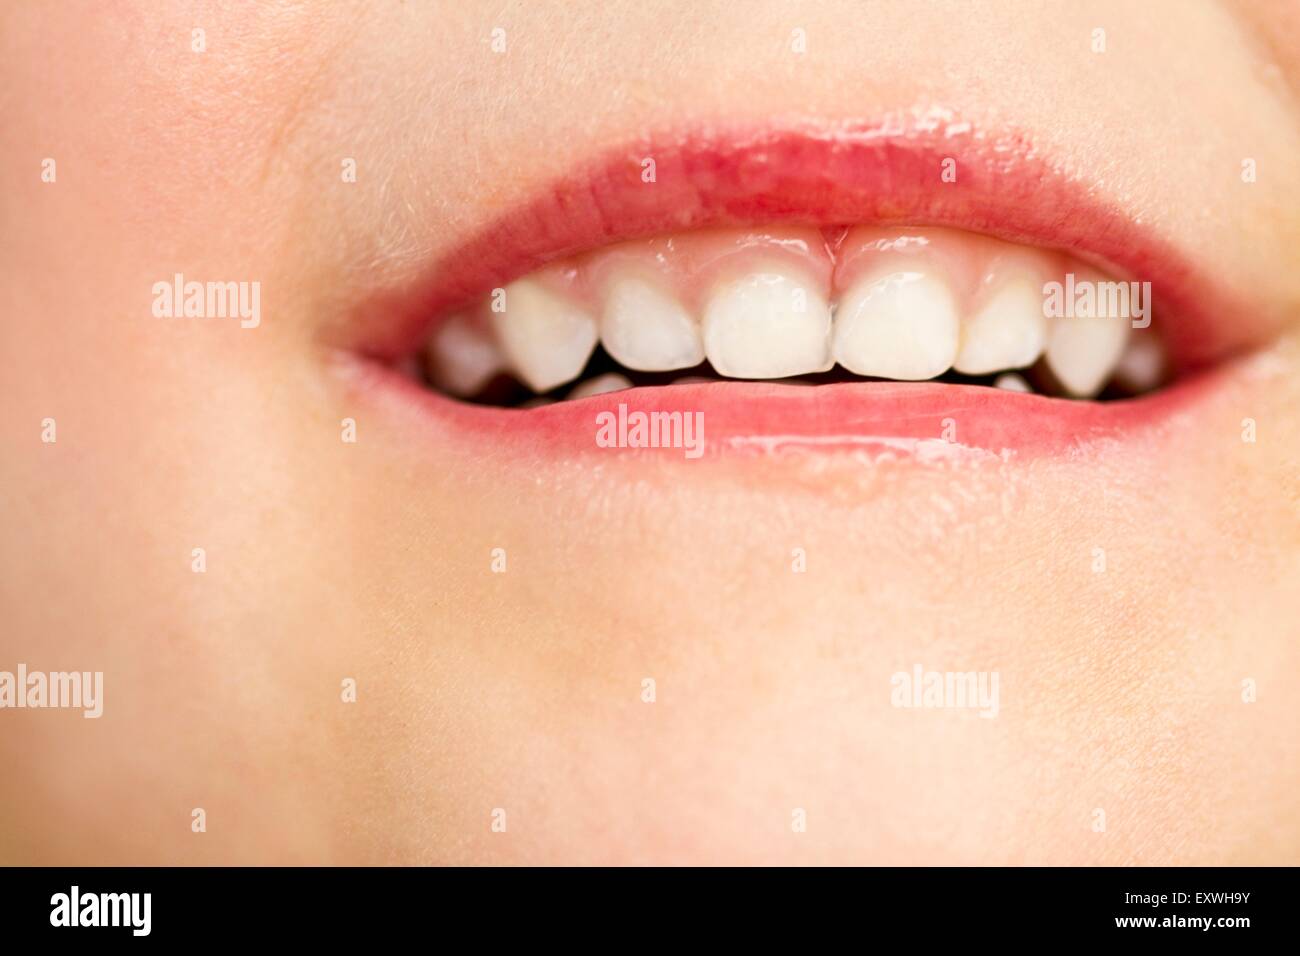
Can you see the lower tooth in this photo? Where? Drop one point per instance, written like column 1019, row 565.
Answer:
column 900, row 325
column 769, row 324
column 1011, row 382
column 600, row 385
column 547, row 338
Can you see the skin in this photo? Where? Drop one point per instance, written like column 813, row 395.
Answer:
column 1121, row 690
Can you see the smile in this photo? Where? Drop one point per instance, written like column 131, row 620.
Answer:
column 863, row 285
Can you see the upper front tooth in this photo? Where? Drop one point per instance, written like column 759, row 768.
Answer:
column 1083, row 350
column 771, row 323
column 463, row 356
column 646, row 329
column 897, row 324
column 546, row 336
column 1008, row 330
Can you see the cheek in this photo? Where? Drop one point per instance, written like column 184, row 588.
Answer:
column 172, row 122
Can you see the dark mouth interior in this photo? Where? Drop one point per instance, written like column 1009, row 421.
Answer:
column 504, row 391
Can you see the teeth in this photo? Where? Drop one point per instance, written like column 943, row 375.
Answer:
column 601, row 384
column 1008, row 330
column 463, row 356
column 1011, row 382
column 769, row 324
column 899, row 325
column 901, row 303
column 547, row 338
column 1083, row 351
column 1142, row 366
column 646, row 329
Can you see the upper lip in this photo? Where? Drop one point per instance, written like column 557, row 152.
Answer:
column 883, row 171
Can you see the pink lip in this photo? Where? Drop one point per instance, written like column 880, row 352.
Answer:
column 886, row 172
column 921, row 420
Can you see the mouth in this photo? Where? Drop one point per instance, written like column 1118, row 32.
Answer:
column 915, row 284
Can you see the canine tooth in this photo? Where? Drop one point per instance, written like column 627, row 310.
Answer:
column 898, row 324
column 1083, row 351
column 770, row 323
column 463, row 356
column 546, row 337
column 1011, row 382
column 599, row 385
column 645, row 328
column 1008, row 329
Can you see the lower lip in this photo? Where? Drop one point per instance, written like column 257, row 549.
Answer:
column 926, row 421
